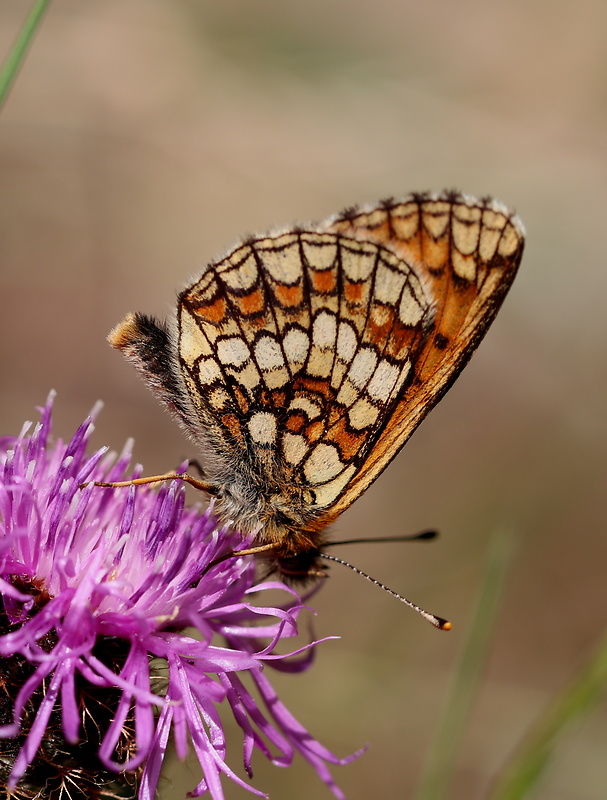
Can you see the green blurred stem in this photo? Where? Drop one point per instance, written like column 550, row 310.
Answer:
column 440, row 764
column 17, row 54
column 528, row 764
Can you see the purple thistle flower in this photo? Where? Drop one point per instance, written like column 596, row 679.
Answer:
column 98, row 586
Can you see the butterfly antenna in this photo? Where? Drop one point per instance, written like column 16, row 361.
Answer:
column 438, row 622
column 410, row 537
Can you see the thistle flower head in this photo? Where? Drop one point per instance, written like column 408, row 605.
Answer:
column 99, row 587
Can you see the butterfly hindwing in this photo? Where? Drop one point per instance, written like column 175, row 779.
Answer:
column 294, row 344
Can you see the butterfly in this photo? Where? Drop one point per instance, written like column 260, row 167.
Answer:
column 302, row 360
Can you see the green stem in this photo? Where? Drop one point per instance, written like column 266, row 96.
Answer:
column 17, row 54
column 533, row 756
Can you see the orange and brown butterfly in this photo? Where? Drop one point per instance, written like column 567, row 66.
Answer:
column 302, row 360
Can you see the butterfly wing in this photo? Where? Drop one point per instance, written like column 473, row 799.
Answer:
column 467, row 251
column 297, row 344
column 316, row 352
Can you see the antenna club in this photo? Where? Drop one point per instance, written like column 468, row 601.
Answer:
column 438, row 622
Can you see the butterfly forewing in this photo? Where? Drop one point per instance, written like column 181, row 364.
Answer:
column 468, row 252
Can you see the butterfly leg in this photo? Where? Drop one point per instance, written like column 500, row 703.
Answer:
column 203, row 486
column 250, row 551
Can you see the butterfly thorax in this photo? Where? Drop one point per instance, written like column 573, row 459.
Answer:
column 278, row 515
column 267, row 504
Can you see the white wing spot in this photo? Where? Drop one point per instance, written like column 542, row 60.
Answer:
column 294, row 447
column 325, row 495
column 362, row 414
column 383, row 380
column 407, row 224
column 465, row 236
column 323, row 464
column 324, row 330
column 268, row 354
column 410, row 311
column 209, row 371
column 346, row 342
column 248, row 376
column 464, row 266
column 362, row 367
column 324, row 333
column 348, row 393
column 219, row 398
column 404, row 374
column 233, row 351
column 511, row 239
column 296, row 345
column 488, row 243
column 262, row 427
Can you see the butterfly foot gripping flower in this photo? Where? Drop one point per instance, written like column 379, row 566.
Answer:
column 97, row 670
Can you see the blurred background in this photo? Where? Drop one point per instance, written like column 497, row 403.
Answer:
column 144, row 137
